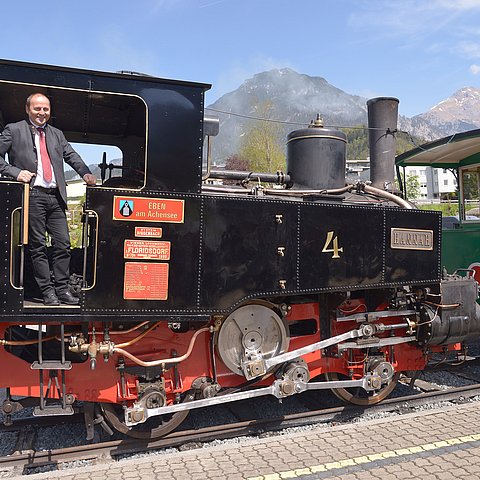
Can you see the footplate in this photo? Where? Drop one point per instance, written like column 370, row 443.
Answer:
column 53, row 410
column 51, row 365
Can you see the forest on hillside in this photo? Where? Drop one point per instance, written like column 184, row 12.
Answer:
column 262, row 148
column 357, row 146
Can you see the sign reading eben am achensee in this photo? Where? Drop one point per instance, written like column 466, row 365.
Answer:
column 147, row 209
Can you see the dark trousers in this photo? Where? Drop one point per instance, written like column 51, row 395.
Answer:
column 47, row 214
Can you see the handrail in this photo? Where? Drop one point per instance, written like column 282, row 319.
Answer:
column 88, row 214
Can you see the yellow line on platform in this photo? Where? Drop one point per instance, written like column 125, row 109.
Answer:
column 351, row 462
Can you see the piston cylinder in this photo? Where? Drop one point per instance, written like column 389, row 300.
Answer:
column 316, row 157
column 456, row 319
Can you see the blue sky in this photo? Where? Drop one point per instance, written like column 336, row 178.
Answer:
column 420, row 51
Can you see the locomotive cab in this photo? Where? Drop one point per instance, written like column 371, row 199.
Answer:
column 141, row 116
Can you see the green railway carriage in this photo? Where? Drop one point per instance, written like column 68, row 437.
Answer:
column 459, row 153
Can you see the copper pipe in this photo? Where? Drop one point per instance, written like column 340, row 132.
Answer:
column 439, row 305
column 13, row 343
column 155, row 363
column 121, row 332
column 112, row 332
column 294, row 192
column 137, row 338
column 118, row 332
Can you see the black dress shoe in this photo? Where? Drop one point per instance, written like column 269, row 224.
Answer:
column 51, row 300
column 68, row 298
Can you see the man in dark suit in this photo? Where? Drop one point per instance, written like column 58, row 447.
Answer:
column 36, row 152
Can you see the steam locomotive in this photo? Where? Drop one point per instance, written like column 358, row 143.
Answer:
column 194, row 293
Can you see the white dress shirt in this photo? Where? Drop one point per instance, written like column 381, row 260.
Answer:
column 39, row 180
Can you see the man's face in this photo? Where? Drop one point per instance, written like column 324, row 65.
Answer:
column 39, row 110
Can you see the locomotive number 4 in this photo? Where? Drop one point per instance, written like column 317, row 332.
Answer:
column 332, row 241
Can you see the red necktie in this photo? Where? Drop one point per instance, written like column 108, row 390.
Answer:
column 46, row 164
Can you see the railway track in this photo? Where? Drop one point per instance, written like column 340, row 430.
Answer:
column 26, row 460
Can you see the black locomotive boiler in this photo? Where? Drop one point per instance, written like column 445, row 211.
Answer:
column 194, row 294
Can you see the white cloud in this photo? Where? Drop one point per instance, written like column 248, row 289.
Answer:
column 409, row 17
column 117, row 47
column 457, row 4
column 158, row 5
column 211, row 3
column 436, row 27
column 470, row 49
column 165, row 3
column 475, row 69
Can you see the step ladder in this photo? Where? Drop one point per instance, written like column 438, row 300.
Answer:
column 62, row 404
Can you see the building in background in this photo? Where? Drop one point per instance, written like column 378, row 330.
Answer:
column 435, row 183
column 76, row 190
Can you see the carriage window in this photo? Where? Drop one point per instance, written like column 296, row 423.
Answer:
column 471, row 194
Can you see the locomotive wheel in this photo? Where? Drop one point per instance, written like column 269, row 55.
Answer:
column 256, row 328
column 153, row 428
column 357, row 395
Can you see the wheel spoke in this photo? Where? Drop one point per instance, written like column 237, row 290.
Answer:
column 153, row 428
column 358, row 396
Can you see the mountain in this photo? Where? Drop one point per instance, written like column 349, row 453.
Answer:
column 94, row 168
column 283, row 94
column 458, row 113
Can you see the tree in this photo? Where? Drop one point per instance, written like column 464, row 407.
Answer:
column 357, row 143
column 471, row 185
column 261, row 146
column 358, row 147
column 75, row 225
column 412, row 186
column 236, row 162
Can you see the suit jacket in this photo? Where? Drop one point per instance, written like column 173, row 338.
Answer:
column 17, row 139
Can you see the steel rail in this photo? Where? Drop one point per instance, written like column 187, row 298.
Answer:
column 102, row 452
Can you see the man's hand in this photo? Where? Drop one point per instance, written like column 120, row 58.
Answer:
column 25, row 176
column 90, row 179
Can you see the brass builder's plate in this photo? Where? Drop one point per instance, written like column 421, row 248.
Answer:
column 411, row 239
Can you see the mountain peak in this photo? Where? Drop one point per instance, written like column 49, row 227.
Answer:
column 291, row 97
column 289, row 91
column 284, row 77
column 285, row 95
column 459, row 112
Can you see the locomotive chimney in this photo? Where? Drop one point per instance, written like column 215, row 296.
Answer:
column 382, row 124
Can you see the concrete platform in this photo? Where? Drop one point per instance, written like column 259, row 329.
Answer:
column 437, row 444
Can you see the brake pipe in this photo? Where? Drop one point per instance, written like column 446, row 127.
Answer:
column 154, row 363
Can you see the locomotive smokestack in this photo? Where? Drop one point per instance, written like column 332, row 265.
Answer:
column 382, row 120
